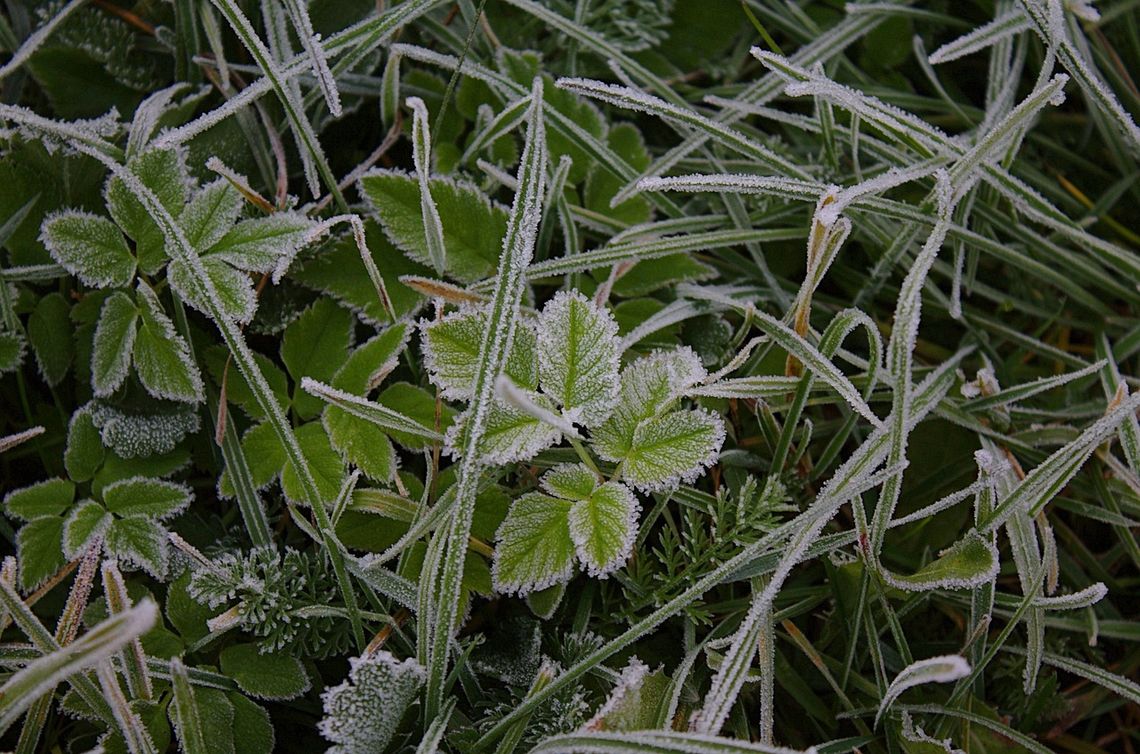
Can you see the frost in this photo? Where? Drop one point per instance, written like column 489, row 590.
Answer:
column 451, row 351
column 632, row 676
column 1006, row 25
column 578, row 357
column 533, row 546
column 942, row 669
column 113, row 344
column 90, row 247
column 311, row 43
column 363, row 713
column 511, row 395
column 603, row 528
column 210, row 213
column 162, row 357
column 142, row 434
column 569, row 481
column 674, row 448
column 36, row 39
column 1086, row 597
column 509, row 434
column 421, row 154
column 917, row 735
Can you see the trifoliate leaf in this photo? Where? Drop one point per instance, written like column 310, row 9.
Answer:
column 85, row 522
column 578, row 357
column 39, row 552
column 84, row 452
column 473, row 226
column 50, row 333
column 210, row 214
column 164, row 172
column 533, row 548
column 649, row 386
column 90, row 247
column 672, row 448
column 264, row 243
column 151, row 498
column 509, row 435
column 451, row 352
column 50, row 497
column 162, row 358
column 264, row 676
column 114, row 343
column 139, row 542
column 363, row 713
column 603, row 527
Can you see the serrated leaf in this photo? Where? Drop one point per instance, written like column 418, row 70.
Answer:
column 672, row 448
column 578, row 357
column 39, row 551
column 50, row 497
column 84, row 452
column 234, row 288
column 316, row 345
column 164, row 172
column 152, row 498
column 361, row 443
column 636, row 701
column 603, row 527
column 509, row 435
column 90, row 247
column 363, row 713
column 473, row 225
column 114, row 343
column 50, row 333
column 156, row 431
column 377, row 355
column 11, row 350
column 86, row 521
column 139, row 542
column 210, row 214
column 253, row 731
column 264, row 676
column 451, row 352
column 162, row 358
column 533, row 548
column 263, row 243
column 324, row 462
column 570, row 481
column 649, row 386
column 419, row 405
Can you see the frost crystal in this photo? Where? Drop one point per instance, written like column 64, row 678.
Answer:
column 363, row 713
column 578, row 357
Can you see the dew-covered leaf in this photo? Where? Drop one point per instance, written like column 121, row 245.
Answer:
column 162, row 357
column 164, row 172
column 363, row 713
column 533, row 548
column 264, row 676
column 578, row 357
column 151, row 498
column 451, row 352
column 50, row 333
column 90, row 247
column 675, row 447
column 603, row 527
column 114, row 343
column 473, row 226
column 50, row 497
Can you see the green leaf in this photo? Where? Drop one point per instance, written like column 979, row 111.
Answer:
column 50, row 497
column 533, row 548
column 969, row 563
column 943, row 669
column 325, row 463
column 11, row 350
column 419, row 405
column 635, row 702
column 316, row 345
column 234, row 288
column 139, row 542
column 264, row 455
column 570, row 481
column 84, row 453
column 578, row 357
column 264, row 676
column 50, row 333
column 363, row 713
column 473, row 226
column 114, row 343
column 602, row 185
column 162, row 358
column 451, row 352
column 367, row 361
column 676, row 447
column 263, row 243
column 163, row 171
column 603, row 527
column 155, row 429
column 151, row 498
column 90, row 247
column 39, row 551
column 509, row 435
column 653, row 275
column 87, row 521
column 361, row 443
column 210, row 214
column 544, row 602
column 649, row 386
column 253, row 731
column 184, row 712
